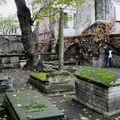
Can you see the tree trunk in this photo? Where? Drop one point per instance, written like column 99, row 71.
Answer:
column 27, row 39
column 61, row 40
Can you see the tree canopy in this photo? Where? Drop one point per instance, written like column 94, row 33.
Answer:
column 50, row 8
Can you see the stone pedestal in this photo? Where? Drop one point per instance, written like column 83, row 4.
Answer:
column 52, row 82
column 103, row 98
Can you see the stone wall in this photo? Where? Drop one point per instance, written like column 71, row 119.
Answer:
column 85, row 16
column 91, row 11
column 11, row 44
column 106, row 10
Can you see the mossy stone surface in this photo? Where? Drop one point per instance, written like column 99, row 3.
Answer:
column 41, row 76
column 52, row 82
column 97, row 75
column 51, row 77
column 31, row 105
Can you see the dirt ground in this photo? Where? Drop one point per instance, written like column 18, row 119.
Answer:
column 64, row 101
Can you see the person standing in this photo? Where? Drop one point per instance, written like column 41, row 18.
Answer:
column 110, row 58
column 106, row 56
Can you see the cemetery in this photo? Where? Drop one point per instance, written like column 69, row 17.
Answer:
column 60, row 60
column 45, row 92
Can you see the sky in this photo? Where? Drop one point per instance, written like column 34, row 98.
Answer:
column 8, row 9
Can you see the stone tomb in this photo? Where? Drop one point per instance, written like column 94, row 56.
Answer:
column 6, row 83
column 10, row 61
column 98, row 89
column 52, row 82
column 30, row 105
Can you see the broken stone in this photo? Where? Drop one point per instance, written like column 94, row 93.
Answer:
column 6, row 83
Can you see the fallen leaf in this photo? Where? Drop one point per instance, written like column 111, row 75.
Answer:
column 35, row 97
column 14, row 95
column 84, row 118
column 63, row 110
column 19, row 105
column 28, row 116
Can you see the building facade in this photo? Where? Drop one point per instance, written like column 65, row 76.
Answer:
column 98, row 10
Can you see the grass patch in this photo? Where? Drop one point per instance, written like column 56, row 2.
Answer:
column 96, row 74
column 43, row 76
column 40, row 76
column 34, row 107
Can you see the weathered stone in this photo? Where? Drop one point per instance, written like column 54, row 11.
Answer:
column 9, row 61
column 52, row 82
column 104, row 99
column 6, row 83
column 31, row 105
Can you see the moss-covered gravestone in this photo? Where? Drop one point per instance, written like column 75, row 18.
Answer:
column 30, row 105
column 98, row 89
column 52, row 82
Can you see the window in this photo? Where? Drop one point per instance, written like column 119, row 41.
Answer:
column 117, row 12
column 65, row 20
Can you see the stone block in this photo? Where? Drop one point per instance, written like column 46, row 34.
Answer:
column 31, row 105
column 6, row 83
column 52, row 82
column 103, row 98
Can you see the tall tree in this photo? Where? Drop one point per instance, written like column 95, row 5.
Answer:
column 25, row 21
column 58, row 7
column 27, row 39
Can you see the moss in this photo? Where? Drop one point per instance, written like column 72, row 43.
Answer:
column 44, row 76
column 33, row 106
column 40, row 76
column 64, row 73
column 96, row 74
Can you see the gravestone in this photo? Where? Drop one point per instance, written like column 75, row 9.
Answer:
column 31, row 105
column 6, row 83
column 98, row 89
column 10, row 61
column 52, row 81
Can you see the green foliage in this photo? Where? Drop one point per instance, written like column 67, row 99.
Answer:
column 43, row 76
column 51, row 8
column 96, row 74
column 9, row 22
